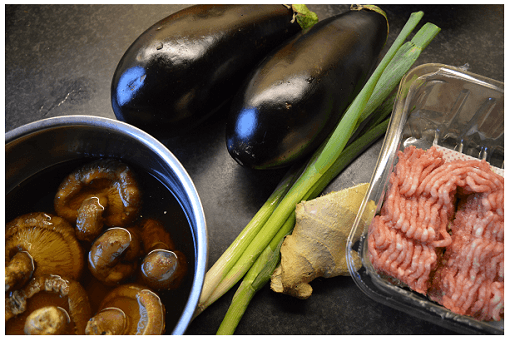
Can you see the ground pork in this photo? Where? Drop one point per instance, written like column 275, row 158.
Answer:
column 425, row 238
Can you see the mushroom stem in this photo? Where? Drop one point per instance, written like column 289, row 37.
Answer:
column 50, row 241
column 163, row 269
column 50, row 290
column 113, row 256
column 49, row 320
column 90, row 221
column 109, row 321
column 18, row 270
column 108, row 178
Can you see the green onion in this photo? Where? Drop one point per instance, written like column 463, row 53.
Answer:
column 246, row 287
column 249, row 286
column 261, row 237
column 399, row 65
column 220, row 269
column 259, row 274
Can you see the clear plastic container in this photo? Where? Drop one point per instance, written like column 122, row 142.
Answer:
column 451, row 108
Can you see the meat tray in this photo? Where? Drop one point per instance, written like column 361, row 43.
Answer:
column 450, row 108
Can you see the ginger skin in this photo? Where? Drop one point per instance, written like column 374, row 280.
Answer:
column 317, row 245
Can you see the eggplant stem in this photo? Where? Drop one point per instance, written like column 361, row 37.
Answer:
column 304, row 16
column 375, row 9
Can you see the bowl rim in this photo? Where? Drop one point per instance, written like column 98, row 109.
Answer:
column 168, row 157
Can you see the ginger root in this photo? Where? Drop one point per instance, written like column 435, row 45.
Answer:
column 317, row 246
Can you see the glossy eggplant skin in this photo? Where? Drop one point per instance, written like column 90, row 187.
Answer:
column 184, row 67
column 293, row 100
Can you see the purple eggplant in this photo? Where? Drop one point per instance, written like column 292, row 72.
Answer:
column 295, row 97
column 186, row 66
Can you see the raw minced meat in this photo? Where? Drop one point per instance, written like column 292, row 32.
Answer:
column 441, row 233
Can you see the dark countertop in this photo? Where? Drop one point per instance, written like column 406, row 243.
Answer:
column 60, row 59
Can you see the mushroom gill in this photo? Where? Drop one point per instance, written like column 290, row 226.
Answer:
column 115, row 192
column 129, row 309
column 43, row 244
column 30, row 306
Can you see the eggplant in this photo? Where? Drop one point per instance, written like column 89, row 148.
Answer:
column 296, row 96
column 186, row 66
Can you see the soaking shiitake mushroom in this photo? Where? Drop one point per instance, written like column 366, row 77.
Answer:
column 163, row 267
column 113, row 258
column 25, row 307
column 102, row 192
column 40, row 243
column 43, row 244
column 129, row 309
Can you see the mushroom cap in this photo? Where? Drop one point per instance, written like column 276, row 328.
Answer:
column 155, row 236
column 142, row 306
column 163, row 269
column 108, row 178
column 48, row 290
column 50, row 241
column 109, row 321
column 90, row 220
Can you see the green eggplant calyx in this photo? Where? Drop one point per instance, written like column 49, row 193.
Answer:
column 304, row 16
column 375, row 9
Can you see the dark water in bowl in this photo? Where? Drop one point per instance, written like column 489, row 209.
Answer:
column 36, row 194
